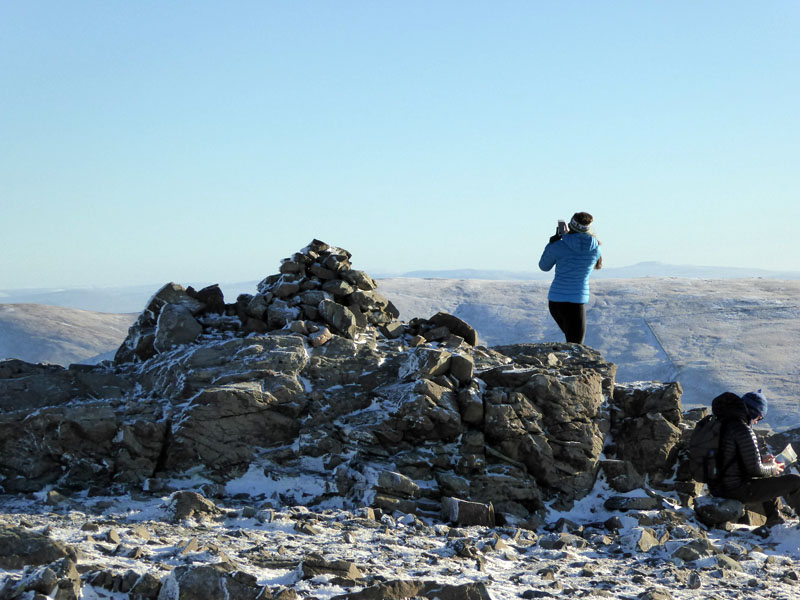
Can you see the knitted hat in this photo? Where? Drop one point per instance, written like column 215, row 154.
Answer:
column 581, row 222
column 756, row 404
column 575, row 226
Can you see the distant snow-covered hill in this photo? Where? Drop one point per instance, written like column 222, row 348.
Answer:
column 50, row 334
column 643, row 269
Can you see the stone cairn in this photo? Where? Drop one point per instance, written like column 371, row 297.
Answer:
column 316, row 294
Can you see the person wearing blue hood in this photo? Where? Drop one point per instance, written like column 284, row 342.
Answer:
column 574, row 254
column 744, row 474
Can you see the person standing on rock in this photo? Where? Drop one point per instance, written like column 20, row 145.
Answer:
column 574, row 253
column 743, row 474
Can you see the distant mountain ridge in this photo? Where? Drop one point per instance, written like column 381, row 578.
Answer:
column 642, row 269
column 129, row 299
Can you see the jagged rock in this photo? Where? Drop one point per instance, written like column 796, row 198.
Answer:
column 425, row 363
column 625, row 503
column 571, row 359
column 208, row 583
column 456, row 326
column 399, row 589
column 257, row 307
column 175, row 326
column 20, row 547
column 210, row 296
column 621, row 475
column 59, row 580
column 338, row 288
column 221, row 426
column 359, row 279
column 313, row 565
column 392, row 330
column 664, row 399
column 139, row 345
column 91, row 435
column 715, row 511
column 641, row 539
column 339, row 317
column 320, row 337
column 644, row 427
column 146, row 587
column 559, row 541
column 568, row 409
column 279, row 313
column 470, row 403
column 694, row 550
column 25, row 386
column 655, row 594
column 186, row 505
column 286, row 285
column 398, row 484
column 463, row 512
column 462, row 367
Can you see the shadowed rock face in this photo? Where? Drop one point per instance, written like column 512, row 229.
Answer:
column 200, row 384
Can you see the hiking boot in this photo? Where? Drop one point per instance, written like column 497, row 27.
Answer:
column 762, row 531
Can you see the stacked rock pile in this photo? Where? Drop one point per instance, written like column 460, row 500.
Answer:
column 316, row 294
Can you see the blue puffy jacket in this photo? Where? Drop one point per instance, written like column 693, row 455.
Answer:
column 574, row 257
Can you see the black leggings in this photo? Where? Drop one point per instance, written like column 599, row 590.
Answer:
column 571, row 319
column 766, row 490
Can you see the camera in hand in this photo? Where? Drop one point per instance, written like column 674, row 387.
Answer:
column 562, row 227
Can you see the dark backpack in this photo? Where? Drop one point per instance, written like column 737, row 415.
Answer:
column 704, row 455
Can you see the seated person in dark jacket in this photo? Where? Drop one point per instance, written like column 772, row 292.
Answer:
column 744, row 474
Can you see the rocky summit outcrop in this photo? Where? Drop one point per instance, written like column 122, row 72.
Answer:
column 313, row 375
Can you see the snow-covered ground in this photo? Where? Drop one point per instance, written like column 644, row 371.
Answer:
column 579, row 556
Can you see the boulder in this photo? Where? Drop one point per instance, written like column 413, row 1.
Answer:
column 339, row 317
column 462, row 367
column 175, row 326
column 25, row 386
column 626, row 503
column 713, row 511
column 139, row 345
column 313, row 565
column 398, row 484
column 464, row 512
column 206, row 582
column 211, row 297
column 425, row 363
column 20, row 547
column 401, row 589
column 80, row 443
column 621, row 475
column 456, row 326
column 645, row 427
column 191, row 505
column 222, row 426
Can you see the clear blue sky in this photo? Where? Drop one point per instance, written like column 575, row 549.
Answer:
column 143, row 142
